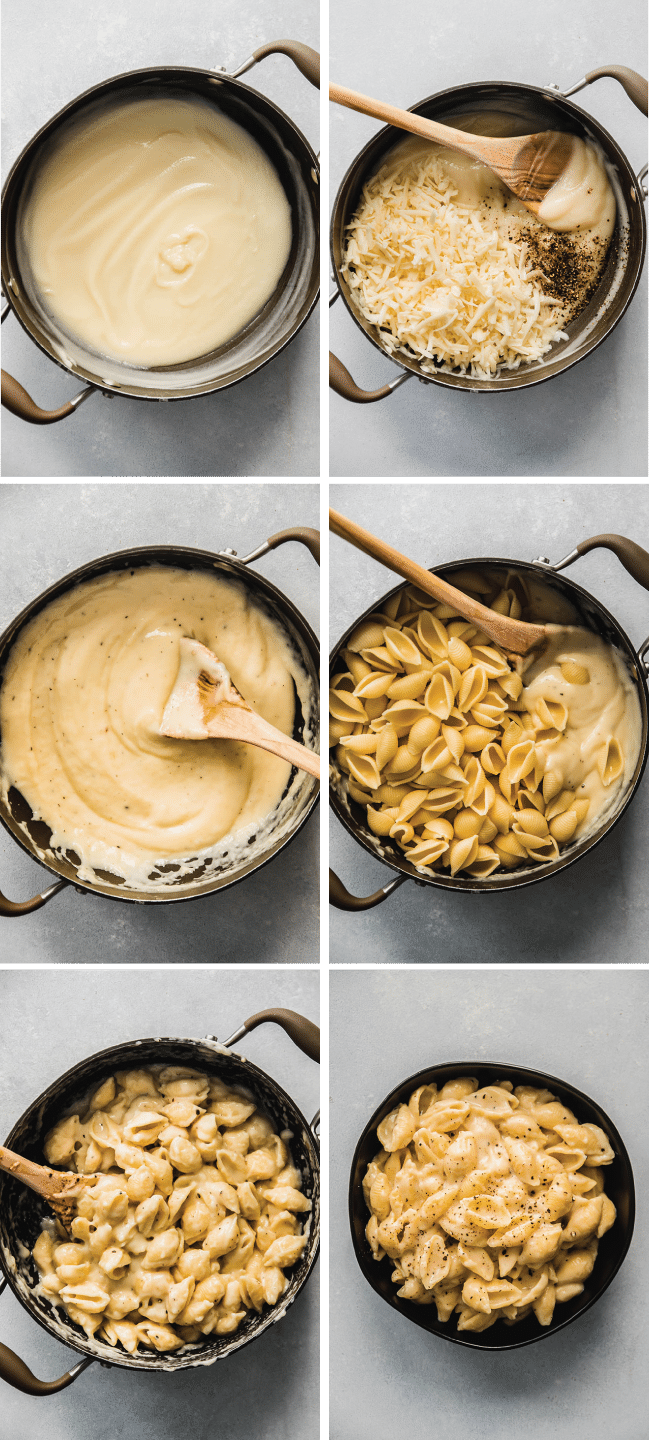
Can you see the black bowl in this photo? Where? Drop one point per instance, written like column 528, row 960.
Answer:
column 612, row 1249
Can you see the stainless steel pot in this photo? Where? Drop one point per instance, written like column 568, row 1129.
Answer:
column 21, row 1211
column 531, row 109
column 588, row 612
column 280, row 319
column 612, row 1248
column 34, row 837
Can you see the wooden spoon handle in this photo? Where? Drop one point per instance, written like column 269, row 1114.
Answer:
column 38, row 1177
column 403, row 119
column 510, row 634
column 236, row 720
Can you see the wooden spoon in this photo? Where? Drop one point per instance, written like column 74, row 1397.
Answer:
column 204, row 704
column 528, row 164
column 60, row 1188
column 514, row 636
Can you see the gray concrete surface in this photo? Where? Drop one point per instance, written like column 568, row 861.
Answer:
column 596, row 911
column 48, row 530
column 388, row 1376
column 269, row 425
column 591, row 421
column 51, row 1021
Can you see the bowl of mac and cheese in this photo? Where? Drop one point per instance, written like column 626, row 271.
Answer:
column 490, row 1204
column 462, row 767
column 199, row 1222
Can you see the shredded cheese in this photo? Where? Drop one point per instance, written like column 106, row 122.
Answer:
column 446, row 281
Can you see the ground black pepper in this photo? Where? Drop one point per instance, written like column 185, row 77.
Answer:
column 571, row 268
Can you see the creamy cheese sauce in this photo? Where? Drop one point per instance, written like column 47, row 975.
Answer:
column 156, row 230
column 80, row 711
column 607, row 706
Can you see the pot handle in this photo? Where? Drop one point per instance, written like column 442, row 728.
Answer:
column 631, row 555
column 301, row 533
column 306, row 59
column 341, row 898
column 16, row 399
column 17, row 1373
column 633, row 84
column 25, row 907
column 341, row 381
column 303, row 1032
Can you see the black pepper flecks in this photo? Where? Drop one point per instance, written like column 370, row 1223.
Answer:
column 571, row 269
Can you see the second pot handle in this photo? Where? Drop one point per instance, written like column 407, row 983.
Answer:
column 16, row 399
column 341, row 381
column 25, row 907
column 303, row 534
column 306, row 59
column 341, row 898
column 17, row 1373
column 633, row 84
column 632, row 556
column 303, row 1032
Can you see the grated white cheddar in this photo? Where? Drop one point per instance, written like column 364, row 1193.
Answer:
column 446, row 281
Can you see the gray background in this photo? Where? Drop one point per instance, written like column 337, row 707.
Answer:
column 55, row 1019
column 390, row 1377
column 269, row 424
column 596, row 911
column 48, row 530
column 591, row 421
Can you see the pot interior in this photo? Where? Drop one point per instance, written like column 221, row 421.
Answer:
column 21, row 1211
column 275, row 323
column 612, row 1248
column 545, row 596
column 523, row 110
column 214, row 872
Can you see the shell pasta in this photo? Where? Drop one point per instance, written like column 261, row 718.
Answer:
column 466, row 761
column 488, row 1202
column 193, row 1218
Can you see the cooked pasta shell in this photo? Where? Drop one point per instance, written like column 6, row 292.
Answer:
column 344, row 706
column 459, row 653
column 359, row 793
column 531, row 822
column 397, row 1130
column 432, row 635
column 455, row 741
column 404, row 713
column 423, row 733
column 466, row 824
column 391, row 794
column 611, row 761
column 487, row 861
column 462, row 853
column 455, row 720
column 401, row 648
column 409, row 804
column 483, row 802
column 488, row 830
column 402, row 762
column 512, row 685
column 491, row 659
column 436, row 756
column 439, row 698
column 492, row 758
column 573, row 673
column 373, row 685
column 360, row 744
column 512, row 735
column 476, row 737
column 440, row 828
column 379, row 658
column 552, row 714
column 563, row 826
column 364, row 769
column 369, row 633
column 409, row 687
column 540, row 848
column 375, row 708
column 446, row 797
column 427, row 851
column 391, row 605
column 473, row 687
column 387, row 744
column 509, row 845
column 530, row 800
column 356, row 666
column 402, row 832
column 521, row 760
column 337, row 730
column 381, row 821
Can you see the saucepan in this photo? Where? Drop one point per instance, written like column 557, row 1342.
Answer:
column 552, row 597
column 530, row 109
column 281, row 317
column 612, row 1248
column 302, row 790
column 21, row 1211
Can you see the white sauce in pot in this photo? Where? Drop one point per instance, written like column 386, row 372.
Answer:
column 81, row 704
column 156, row 230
